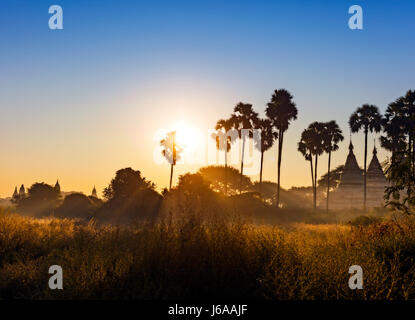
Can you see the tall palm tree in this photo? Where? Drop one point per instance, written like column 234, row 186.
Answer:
column 243, row 117
column 223, row 142
column 399, row 126
column 332, row 136
column 281, row 110
column 304, row 147
column 171, row 151
column 368, row 118
column 315, row 140
column 267, row 140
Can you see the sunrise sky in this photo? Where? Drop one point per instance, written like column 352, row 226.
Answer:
column 80, row 103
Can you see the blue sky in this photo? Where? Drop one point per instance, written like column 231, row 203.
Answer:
column 74, row 101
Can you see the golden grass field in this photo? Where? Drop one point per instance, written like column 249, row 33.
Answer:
column 195, row 258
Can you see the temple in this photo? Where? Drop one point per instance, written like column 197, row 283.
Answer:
column 350, row 192
column 94, row 193
column 375, row 182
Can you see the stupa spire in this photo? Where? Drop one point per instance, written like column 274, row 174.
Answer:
column 94, row 193
column 351, row 144
column 57, row 186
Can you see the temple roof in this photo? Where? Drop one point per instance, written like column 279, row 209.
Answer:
column 352, row 175
column 375, row 169
column 351, row 162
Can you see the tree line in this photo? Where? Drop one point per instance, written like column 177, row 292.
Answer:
column 398, row 126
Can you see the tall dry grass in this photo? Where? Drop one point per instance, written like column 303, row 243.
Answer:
column 193, row 257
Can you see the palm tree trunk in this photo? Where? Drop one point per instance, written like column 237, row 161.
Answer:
column 226, row 171
column 242, row 162
column 174, row 159
column 328, row 183
column 171, row 175
column 364, row 176
column 312, row 173
column 280, row 141
column 315, row 183
column 260, row 173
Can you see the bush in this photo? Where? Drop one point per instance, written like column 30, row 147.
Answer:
column 365, row 221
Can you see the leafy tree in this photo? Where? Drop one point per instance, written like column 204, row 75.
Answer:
column 399, row 127
column 41, row 199
column 332, row 135
column 215, row 176
column 77, row 205
column 366, row 118
column 171, row 151
column 126, row 183
column 193, row 198
column 129, row 196
column 333, row 180
column 193, row 185
column 281, row 110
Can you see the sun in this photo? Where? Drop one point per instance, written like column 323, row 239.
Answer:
column 188, row 137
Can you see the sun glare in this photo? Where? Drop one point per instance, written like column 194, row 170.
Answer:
column 188, row 137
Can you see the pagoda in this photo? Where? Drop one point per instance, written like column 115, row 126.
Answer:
column 349, row 194
column 375, row 182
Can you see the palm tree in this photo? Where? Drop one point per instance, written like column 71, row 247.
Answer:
column 267, row 140
column 243, row 117
column 223, row 142
column 399, row 127
column 312, row 144
column 399, row 124
column 332, row 136
column 171, row 151
column 368, row 118
column 305, row 148
column 281, row 110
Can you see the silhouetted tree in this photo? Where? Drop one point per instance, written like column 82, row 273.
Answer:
column 281, row 110
column 399, row 127
column 332, row 135
column 312, row 144
column 224, row 141
column 127, row 183
column 171, row 151
column 77, row 205
column 398, row 124
column 215, row 176
column 335, row 176
column 194, row 186
column 129, row 196
column 244, row 117
column 192, row 198
column 304, row 147
column 368, row 118
column 41, row 199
